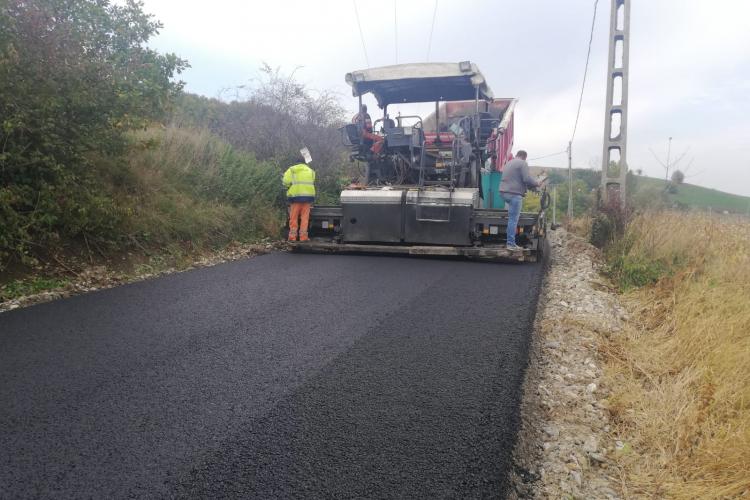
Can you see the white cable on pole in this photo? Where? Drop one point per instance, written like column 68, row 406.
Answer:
column 361, row 36
column 432, row 30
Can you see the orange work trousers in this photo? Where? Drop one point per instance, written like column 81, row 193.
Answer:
column 378, row 141
column 299, row 218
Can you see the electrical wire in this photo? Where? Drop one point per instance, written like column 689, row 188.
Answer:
column 432, row 30
column 585, row 72
column 361, row 36
column 395, row 28
column 549, row 155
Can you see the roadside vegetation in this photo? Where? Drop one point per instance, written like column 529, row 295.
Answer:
column 645, row 192
column 104, row 156
column 685, row 195
column 680, row 375
column 75, row 77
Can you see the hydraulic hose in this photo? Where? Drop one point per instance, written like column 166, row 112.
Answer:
column 544, row 200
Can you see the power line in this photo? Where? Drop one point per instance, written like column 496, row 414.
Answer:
column 432, row 29
column 585, row 72
column 361, row 36
column 569, row 150
column 395, row 28
column 549, row 155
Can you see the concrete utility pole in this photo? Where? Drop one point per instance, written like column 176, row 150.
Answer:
column 613, row 183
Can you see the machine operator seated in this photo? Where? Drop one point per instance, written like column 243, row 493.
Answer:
column 363, row 120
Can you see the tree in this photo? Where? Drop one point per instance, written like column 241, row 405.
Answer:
column 583, row 198
column 556, row 177
column 276, row 116
column 75, row 76
column 678, row 177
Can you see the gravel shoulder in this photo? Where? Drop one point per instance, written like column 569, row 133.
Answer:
column 565, row 446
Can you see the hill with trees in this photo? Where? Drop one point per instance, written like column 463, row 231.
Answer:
column 645, row 192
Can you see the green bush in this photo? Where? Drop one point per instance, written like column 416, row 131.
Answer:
column 602, row 230
column 86, row 160
column 75, row 76
column 21, row 288
column 192, row 187
column 632, row 271
column 273, row 118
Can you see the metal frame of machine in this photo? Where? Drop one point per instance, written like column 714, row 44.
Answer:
column 422, row 192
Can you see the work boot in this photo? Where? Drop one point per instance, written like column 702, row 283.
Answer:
column 513, row 248
column 292, row 235
column 303, row 236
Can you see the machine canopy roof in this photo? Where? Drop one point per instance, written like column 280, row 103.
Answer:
column 420, row 82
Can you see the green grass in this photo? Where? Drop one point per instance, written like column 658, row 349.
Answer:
column 699, row 197
column 687, row 195
column 189, row 188
column 31, row 286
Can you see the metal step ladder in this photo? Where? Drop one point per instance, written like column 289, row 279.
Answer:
column 430, row 212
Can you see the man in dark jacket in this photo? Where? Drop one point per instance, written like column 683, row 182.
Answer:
column 516, row 180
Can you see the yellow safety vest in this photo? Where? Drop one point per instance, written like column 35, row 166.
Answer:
column 300, row 183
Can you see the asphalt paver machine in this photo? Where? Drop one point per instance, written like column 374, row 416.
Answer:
column 430, row 184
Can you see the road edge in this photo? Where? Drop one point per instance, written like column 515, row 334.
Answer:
column 101, row 277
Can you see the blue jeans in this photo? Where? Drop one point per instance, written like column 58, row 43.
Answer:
column 513, row 204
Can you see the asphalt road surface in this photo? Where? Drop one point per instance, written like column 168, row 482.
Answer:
column 304, row 376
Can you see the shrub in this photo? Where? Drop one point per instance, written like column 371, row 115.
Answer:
column 274, row 117
column 602, row 231
column 191, row 187
column 634, row 271
column 74, row 77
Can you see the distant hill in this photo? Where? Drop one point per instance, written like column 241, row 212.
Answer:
column 689, row 195
column 699, row 197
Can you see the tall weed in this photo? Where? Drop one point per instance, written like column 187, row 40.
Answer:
column 681, row 375
column 192, row 187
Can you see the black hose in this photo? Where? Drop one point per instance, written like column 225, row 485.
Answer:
column 544, row 200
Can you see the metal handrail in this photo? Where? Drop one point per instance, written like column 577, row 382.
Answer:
column 419, row 207
column 419, row 119
column 421, row 188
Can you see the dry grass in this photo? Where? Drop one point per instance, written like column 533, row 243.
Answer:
column 580, row 225
column 189, row 187
column 681, row 375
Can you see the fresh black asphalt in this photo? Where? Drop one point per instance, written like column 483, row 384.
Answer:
column 280, row 376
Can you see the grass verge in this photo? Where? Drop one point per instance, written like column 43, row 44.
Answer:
column 177, row 194
column 30, row 286
column 681, row 374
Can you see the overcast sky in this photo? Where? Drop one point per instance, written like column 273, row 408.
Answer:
column 689, row 65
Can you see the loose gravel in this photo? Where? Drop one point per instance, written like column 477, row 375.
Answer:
column 566, row 444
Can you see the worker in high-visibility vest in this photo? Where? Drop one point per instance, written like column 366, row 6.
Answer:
column 299, row 181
